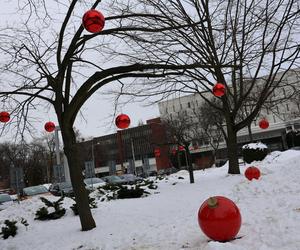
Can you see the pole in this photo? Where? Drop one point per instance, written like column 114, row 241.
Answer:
column 57, row 152
column 133, row 156
column 93, row 158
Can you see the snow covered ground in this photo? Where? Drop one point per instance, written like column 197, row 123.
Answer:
column 167, row 219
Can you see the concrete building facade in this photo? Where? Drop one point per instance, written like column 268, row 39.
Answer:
column 282, row 110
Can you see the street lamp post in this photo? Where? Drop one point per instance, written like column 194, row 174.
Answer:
column 133, row 155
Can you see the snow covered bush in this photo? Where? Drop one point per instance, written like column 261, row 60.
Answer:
column 134, row 192
column 113, row 192
column 254, row 152
column 10, row 229
column 43, row 213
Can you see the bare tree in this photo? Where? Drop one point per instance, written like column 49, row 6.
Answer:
column 209, row 126
column 238, row 40
column 179, row 132
column 50, row 62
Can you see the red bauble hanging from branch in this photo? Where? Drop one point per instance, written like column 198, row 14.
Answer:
column 252, row 173
column 263, row 123
column 122, row 121
column 4, row 116
column 219, row 218
column 49, row 126
column 157, row 152
column 93, row 21
column 219, row 90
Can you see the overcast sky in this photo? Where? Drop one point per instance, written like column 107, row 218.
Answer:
column 97, row 111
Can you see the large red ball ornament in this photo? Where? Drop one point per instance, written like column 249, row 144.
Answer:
column 93, row 21
column 263, row 124
column 219, row 90
column 219, row 218
column 252, row 173
column 122, row 121
column 4, row 116
column 49, row 126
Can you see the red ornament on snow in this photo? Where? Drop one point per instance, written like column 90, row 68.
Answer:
column 4, row 116
column 219, row 218
column 93, row 21
column 219, row 90
column 157, row 152
column 252, row 173
column 122, row 121
column 263, row 124
column 49, row 126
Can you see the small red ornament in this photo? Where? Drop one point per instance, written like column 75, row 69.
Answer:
column 219, row 218
column 263, row 124
column 122, row 121
column 219, row 90
column 93, row 21
column 49, row 126
column 181, row 148
column 4, row 116
column 252, row 173
column 157, row 152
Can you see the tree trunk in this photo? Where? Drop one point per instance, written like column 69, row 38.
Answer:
column 189, row 163
column 81, row 194
column 232, row 151
column 250, row 133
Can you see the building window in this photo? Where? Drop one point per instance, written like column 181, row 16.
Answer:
column 189, row 105
column 268, row 111
column 274, row 119
column 287, row 107
column 180, row 106
column 173, row 108
column 197, row 102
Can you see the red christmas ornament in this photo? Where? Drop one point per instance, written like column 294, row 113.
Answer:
column 219, row 90
column 252, row 173
column 4, row 116
column 122, row 121
column 157, row 152
column 93, row 21
column 263, row 124
column 181, row 148
column 219, row 218
column 49, row 126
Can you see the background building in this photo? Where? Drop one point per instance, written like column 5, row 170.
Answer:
column 282, row 110
column 140, row 150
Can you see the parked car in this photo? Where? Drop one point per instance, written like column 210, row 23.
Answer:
column 168, row 171
column 35, row 190
column 131, row 178
column 62, row 188
column 5, row 201
column 93, row 183
column 113, row 179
